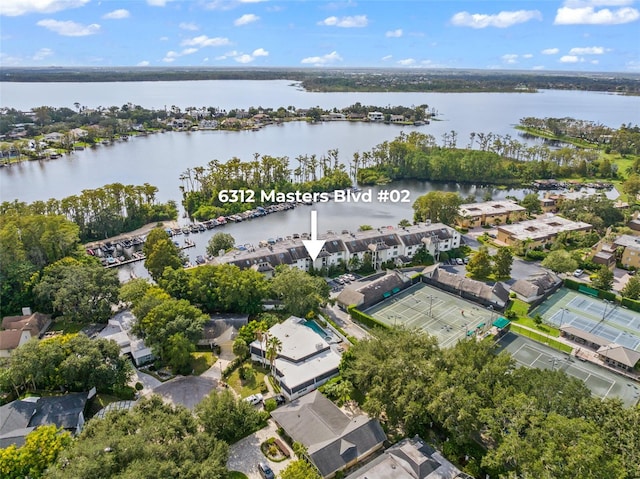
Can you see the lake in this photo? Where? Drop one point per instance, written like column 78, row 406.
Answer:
column 159, row 159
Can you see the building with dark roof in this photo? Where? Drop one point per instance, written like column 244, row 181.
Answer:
column 536, row 287
column 409, row 459
column 20, row 417
column 496, row 296
column 381, row 245
column 333, row 441
column 373, row 292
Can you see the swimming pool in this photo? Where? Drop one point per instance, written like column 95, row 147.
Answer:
column 317, row 329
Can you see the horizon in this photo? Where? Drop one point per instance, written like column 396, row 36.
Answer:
column 554, row 36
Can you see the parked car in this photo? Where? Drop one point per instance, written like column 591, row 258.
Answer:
column 466, row 260
column 280, row 399
column 254, row 399
column 459, row 261
column 577, row 273
column 265, row 471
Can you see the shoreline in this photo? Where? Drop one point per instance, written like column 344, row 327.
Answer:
column 142, row 231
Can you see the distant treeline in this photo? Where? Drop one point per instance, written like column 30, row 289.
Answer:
column 500, row 160
column 347, row 80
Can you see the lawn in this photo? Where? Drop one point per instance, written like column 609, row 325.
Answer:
column 66, row 326
column 541, row 338
column 521, row 308
column 99, row 401
column 251, row 386
column 236, row 475
column 201, row 361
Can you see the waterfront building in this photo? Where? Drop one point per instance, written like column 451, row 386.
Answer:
column 381, row 245
column 471, row 215
column 539, row 232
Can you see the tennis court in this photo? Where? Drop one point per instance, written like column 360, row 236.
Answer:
column 443, row 315
column 610, row 321
column 601, row 382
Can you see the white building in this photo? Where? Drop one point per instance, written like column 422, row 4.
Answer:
column 306, row 361
column 375, row 116
column 119, row 330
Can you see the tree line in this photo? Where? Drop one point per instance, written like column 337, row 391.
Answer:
column 498, row 160
column 102, row 212
column 201, row 185
column 487, row 414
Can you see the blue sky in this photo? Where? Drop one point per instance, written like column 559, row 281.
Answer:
column 565, row 35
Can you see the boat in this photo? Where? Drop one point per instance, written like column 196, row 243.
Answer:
column 185, row 230
column 200, row 259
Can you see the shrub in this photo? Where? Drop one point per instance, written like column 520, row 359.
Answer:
column 139, row 386
column 364, row 318
column 270, row 405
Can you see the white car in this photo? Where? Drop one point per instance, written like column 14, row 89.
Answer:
column 254, row 399
column 577, row 273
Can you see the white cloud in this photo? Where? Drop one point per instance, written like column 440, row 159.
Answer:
column 246, row 19
column 204, row 41
column 143, row 63
column 587, row 51
column 590, row 16
column 158, row 3
column 357, row 21
column 260, row 52
column 116, row 14
column 323, row 60
column 192, row 27
column 42, row 54
column 387, row 57
column 550, row 51
column 510, row 58
column 69, row 28
column 406, row 62
column 244, row 58
column 538, row 67
column 500, row 20
column 163, row 39
column 394, row 33
column 527, row 55
column 13, row 8
column 569, row 59
column 172, row 55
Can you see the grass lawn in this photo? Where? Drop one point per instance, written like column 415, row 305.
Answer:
column 201, row 361
column 68, row 327
column 253, row 385
column 237, row 475
column 541, row 339
column 521, row 308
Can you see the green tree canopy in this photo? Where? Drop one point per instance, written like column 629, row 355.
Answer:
column 153, row 440
column 160, row 253
column 227, row 418
column 81, row 291
column 603, row 279
column 220, row 241
column 631, row 290
column 437, row 206
column 300, row 469
column 479, row 266
column 560, row 261
column 40, row 450
column 502, row 262
column 300, row 292
column 531, row 202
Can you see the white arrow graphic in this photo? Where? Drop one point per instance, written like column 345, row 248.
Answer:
column 314, row 245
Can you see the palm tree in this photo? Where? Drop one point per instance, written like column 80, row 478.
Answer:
column 274, row 346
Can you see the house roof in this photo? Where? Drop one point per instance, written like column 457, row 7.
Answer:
column 10, row 339
column 579, row 333
column 526, row 288
column 36, row 322
column 63, row 411
column 331, row 438
column 496, row 294
column 349, row 296
column 618, row 353
column 14, row 422
column 409, row 459
column 298, row 341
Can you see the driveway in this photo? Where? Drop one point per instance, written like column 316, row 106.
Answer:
column 245, row 454
column 186, row 390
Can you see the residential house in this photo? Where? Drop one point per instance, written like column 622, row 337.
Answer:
column 540, row 231
column 222, row 330
column 630, row 245
column 619, row 356
column 306, row 359
column 18, row 418
column 471, row 215
column 333, row 441
column 54, row 137
column 17, row 330
column 409, row 459
column 118, row 329
column 397, row 119
column 375, row 116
